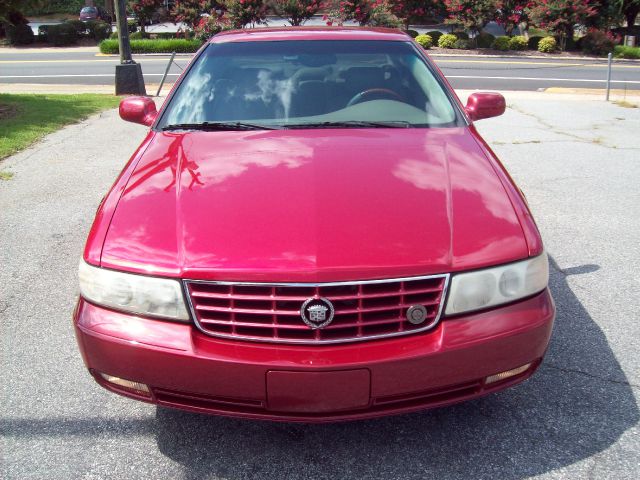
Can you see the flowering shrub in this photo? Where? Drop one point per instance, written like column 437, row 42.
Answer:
column 425, row 41
column 208, row 26
column 366, row 12
column 501, row 43
column 190, row 11
column 560, row 16
column 547, row 45
column 597, row 43
column 144, row 9
column 296, row 11
column 416, row 11
column 518, row 43
column 447, row 40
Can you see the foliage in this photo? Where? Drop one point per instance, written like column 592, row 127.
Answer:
column 596, row 42
column 484, row 40
column 53, row 6
column 435, row 34
column 296, row 12
column 99, row 30
column 533, row 42
column 415, row 11
column 473, row 15
column 132, row 26
column 622, row 51
column 461, row 34
column 447, row 40
column 560, row 16
column 361, row 11
column 240, row 13
column 629, row 9
column 425, row 41
column 461, row 44
column 510, row 14
column 502, row 43
column 190, row 11
column 547, row 45
column 144, row 10
column 38, row 115
column 20, row 34
column 412, row 33
column 209, row 26
column 178, row 45
column 63, row 34
column 518, row 43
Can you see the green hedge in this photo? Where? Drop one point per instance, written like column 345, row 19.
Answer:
column 153, row 46
column 622, row 51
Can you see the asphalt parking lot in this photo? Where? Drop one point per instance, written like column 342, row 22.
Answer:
column 577, row 160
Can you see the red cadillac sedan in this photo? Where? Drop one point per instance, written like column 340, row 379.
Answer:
column 312, row 230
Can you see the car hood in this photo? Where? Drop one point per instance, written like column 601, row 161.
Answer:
column 312, row 205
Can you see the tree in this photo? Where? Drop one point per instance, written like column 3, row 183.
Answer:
column 144, row 10
column 241, row 13
column 510, row 14
column 366, row 12
column 629, row 8
column 473, row 15
column 414, row 11
column 190, row 11
column 560, row 16
column 296, row 11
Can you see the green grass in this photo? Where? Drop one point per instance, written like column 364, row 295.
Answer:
column 26, row 118
column 160, row 45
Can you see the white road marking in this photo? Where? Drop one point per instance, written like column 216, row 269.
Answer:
column 542, row 79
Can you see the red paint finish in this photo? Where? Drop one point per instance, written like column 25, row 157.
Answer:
column 485, row 105
column 189, row 370
column 326, row 205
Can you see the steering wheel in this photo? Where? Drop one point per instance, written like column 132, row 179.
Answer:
column 358, row 97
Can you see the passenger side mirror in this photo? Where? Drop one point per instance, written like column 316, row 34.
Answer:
column 485, row 105
column 138, row 110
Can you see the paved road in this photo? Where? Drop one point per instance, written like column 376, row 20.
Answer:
column 577, row 418
column 473, row 72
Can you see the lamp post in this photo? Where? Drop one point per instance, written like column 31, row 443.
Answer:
column 129, row 79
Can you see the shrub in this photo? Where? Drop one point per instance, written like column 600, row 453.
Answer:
column 622, row 51
column 447, row 40
column 596, row 43
column 518, row 43
column 20, row 34
column 132, row 26
column 484, row 40
column 425, row 41
column 435, row 35
column 43, row 33
column 412, row 33
column 461, row 44
column 177, row 45
column 79, row 25
column 502, row 43
column 461, row 35
column 62, row 34
column 533, row 42
column 136, row 35
column 547, row 45
column 99, row 30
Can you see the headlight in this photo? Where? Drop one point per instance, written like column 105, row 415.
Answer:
column 155, row 297
column 497, row 285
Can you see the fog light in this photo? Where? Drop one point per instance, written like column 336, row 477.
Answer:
column 509, row 373
column 136, row 386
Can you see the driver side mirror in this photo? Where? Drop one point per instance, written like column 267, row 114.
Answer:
column 485, row 105
column 138, row 110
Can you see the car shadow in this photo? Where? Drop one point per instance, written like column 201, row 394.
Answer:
column 578, row 404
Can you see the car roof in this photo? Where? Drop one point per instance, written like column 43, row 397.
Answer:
column 309, row 33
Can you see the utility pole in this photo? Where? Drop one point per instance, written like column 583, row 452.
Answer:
column 129, row 78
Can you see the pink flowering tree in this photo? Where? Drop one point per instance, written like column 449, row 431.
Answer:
column 144, row 9
column 511, row 13
column 296, row 11
column 365, row 12
column 473, row 15
column 560, row 16
column 241, row 13
column 190, row 11
column 415, row 11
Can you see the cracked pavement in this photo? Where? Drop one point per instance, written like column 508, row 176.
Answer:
column 578, row 161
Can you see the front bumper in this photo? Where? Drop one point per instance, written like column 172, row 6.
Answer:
column 187, row 369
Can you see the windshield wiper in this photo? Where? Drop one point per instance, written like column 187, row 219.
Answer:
column 352, row 124
column 213, row 126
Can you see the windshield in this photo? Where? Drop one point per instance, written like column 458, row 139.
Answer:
column 89, row 10
column 314, row 84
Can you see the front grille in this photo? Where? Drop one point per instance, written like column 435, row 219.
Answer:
column 271, row 312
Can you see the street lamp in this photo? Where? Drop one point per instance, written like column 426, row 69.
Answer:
column 129, row 78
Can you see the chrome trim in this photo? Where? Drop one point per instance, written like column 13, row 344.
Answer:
column 443, row 296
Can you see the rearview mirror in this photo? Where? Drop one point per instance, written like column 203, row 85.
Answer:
column 485, row 105
column 138, row 110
